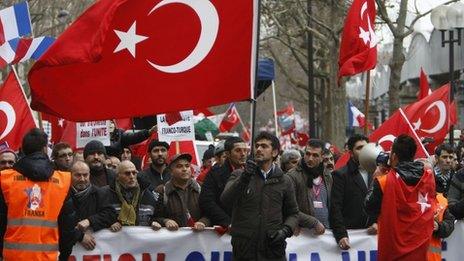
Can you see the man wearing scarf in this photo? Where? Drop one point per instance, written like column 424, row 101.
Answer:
column 92, row 207
column 134, row 199
column 312, row 188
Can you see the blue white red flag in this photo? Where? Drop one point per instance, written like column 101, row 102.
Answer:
column 23, row 49
column 356, row 118
column 15, row 22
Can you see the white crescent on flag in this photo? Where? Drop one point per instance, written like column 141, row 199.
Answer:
column 9, row 111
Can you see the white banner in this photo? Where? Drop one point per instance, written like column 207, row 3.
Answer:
column 92, row 130
column 144, row 244
column 179, row 131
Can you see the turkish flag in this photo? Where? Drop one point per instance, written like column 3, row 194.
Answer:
column 231, row 118
column 358, row 48
column 70, row 134
column 430, row 116
column 15, row 115
column 396, row 125
column 125, row 124
column 406, row 218
column 57, row 126
column 424, row 87
column 159, row 56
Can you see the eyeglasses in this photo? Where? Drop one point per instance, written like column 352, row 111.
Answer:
column 66, row 155
column 5, row 162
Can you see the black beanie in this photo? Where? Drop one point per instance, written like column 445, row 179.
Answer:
column 92, row 147
column 209, row 153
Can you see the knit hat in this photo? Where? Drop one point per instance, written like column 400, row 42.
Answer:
column 209, row 153
column 92, row 147
column 157, row 143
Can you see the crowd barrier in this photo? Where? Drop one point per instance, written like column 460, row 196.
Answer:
column 142, row 243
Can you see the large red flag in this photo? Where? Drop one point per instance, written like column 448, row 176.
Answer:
column 397, row 124
column 159, row 56
column 231, row 118
column 406, row 218
column 56, row 126
column 358, row 48
column 424, row 86
column 431, row 116
column 15, row 115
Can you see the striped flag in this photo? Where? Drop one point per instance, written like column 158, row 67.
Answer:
column 15, row 22
column 22, row 49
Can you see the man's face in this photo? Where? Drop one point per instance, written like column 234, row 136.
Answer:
column 80, row 177
column 329, row 162
column 207, row 163
column 126, row 154
column 220, row 158
column 158, row 155
column 96, row 161
column 180, row 170
column 238, row 154
column 357, row 149
column 264, row 152
column 313, row 156
column 127, row 175
column 445, row 160
column 292, row 163
column 7, row 160
column 64, row 159
column 112, row 163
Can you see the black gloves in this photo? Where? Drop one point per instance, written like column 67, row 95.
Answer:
column 250, row 169
column 278, row 236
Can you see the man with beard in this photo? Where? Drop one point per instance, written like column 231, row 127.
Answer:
column 328, row 160
column 236, row 151
column 444, row 172
column 92, row 206
column 264, row 208
column 312, row 188
column 95, row 157
column 7, row 159
column 134, row 200
column 62, row 156
column 158, row 173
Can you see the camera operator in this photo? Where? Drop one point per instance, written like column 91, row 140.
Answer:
column 404, row 200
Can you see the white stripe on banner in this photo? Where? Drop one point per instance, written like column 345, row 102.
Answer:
column 8, row 19
column 7, row 53
column 142, row 243
column 32, row 48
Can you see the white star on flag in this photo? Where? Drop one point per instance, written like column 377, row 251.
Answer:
column 128, row 40
column 364, row 35
column 423, row 202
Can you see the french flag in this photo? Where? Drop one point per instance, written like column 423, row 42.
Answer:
column 15, row 22
column 355, row 117
column 22, row 49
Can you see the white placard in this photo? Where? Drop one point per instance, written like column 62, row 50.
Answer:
column 179, row 131
column 92, row 130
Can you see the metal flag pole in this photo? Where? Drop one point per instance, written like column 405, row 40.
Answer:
column 255, row 84
column 366, row 104
column 275, row 109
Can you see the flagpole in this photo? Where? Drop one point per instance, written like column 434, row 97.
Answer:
column 255, row 85
column 275, row 109
column 414, row 132
column 366, row 104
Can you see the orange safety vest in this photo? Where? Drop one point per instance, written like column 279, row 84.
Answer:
column 32, row 218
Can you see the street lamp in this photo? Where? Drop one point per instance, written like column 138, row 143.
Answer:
column 447, row 19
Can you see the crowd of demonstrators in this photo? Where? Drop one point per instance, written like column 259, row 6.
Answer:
column 158, row 173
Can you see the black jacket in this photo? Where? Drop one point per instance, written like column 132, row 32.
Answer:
column 98, row 181
column 149, row 207
column 210, row 196
column 347, row 202
column 153, row 177
column 121, row 139
column 37, row 167
column 410, row 173
column 96, row 208
column 260, row 207
column 456, row 195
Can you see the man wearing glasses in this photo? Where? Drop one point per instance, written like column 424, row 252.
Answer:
column 62, row 156
column 7, row 159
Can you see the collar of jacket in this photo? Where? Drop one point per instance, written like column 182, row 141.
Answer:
column 352, row 166
column 191, row 184
column 275, row 176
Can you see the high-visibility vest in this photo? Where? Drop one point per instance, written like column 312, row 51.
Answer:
column 32, row 218
column 434, row 252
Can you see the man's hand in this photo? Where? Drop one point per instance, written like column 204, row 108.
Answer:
column 160, row 189
column 116, row 227
column 88, row 241
column 83, row 225
column 199, row 226
column 319, row 229
column 297, row 231
column 435, row 226
column 155, row 225
column 344, row 243
column 153, row 129
column 250, row 169
column 171, row 225
column 372, row 230
column 277, row 237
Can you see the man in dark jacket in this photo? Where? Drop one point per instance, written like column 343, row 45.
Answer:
column 35, row 166
column 456, row 195
column 180, row 197
column 92, row 206
column 95, row 157
column 264, row 210
column 350, row 185
column 120, row 139
column 210, row 197
column 134, row 200
column 312, row 187
column 158, row 172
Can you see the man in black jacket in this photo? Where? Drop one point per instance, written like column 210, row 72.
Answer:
column 158, row 173
column 210, row 197
column 264, row 208
column 95, row 157
column 92, row 206
column 349, row 190
column 120, row 139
